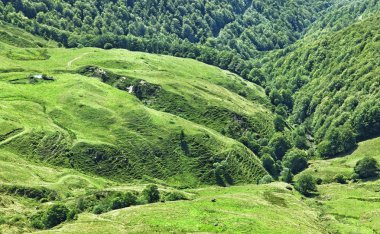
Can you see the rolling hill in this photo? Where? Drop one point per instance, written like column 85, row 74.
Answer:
column 275, row 138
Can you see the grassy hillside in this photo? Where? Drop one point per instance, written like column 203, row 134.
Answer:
column 238, row 209
column 47, row 118
column 352, row 207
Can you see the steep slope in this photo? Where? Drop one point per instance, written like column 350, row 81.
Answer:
column 335, row 81
column 54, row 112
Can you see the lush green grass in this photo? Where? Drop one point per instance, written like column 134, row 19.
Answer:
column 239, row 209
column 352, row 207
column 80, row 122
column 327, row 169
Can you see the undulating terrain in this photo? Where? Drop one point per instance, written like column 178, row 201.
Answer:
column 135, row 116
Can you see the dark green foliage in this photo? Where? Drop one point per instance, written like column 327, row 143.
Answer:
column 151, row 193
column 305, row 184
column 367, row 167
column 318, row 181
column 54, row 215
column 38, row 193
column 269, row 164
column 280, row 144
column 266, row 179
column 222, row 176
column 279, row 123
column 366, row 120
column 108, row 46
column 175, row 196
column 338, row 140
column 295, row 160
column 286, row 175
column 339, row 178
column 121, row 200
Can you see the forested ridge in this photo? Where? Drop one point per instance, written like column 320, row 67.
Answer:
column 222, row 33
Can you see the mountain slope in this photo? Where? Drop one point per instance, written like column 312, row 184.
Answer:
column 47, row 117
column 335, row 85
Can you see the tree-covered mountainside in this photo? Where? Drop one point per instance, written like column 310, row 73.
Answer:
column 335, row 85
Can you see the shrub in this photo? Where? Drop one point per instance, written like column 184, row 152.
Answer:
column 366, row 168
column 151, row 193
column 295, row 160
column 175, row 196
column 55, row 215
column 338, row 140
column 305, row 184
column 319, row 181
column 267, row 179
column 280, row 144
column 101, row 208
column 108, row 46
column 123, row 200
column 339, row 178
column 286, row 175
column 268, row 163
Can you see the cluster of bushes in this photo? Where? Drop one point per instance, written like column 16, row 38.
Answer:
column 41, row 194
column 100, row 202
column 52, row 216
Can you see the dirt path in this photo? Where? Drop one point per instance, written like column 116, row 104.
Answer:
column 70, row 63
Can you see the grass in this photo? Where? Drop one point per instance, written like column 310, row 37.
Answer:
column 238, row 209
column 79, row 122
column 79, row 136
column 327, row 169
column 351, row 207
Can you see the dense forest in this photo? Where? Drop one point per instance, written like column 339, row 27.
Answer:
column 222, row 33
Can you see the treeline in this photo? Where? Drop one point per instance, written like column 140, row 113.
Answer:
column 223, row 33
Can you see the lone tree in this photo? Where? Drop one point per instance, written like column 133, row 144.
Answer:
column 295, row 160
column 367, row 167
column 55, row 215
column 306, row 184
column 286, row 175
column 151, row 193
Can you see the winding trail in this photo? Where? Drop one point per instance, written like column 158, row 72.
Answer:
column 70, row 63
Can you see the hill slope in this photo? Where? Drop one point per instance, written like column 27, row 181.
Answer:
column 335, row 85
column 47, row 117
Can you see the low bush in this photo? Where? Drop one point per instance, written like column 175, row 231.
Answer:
column 267, row 179
column 339, row 178
column 175, row 196
column 306, row 184
column 151, row 193
column 53, row 216
column 367, row 167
